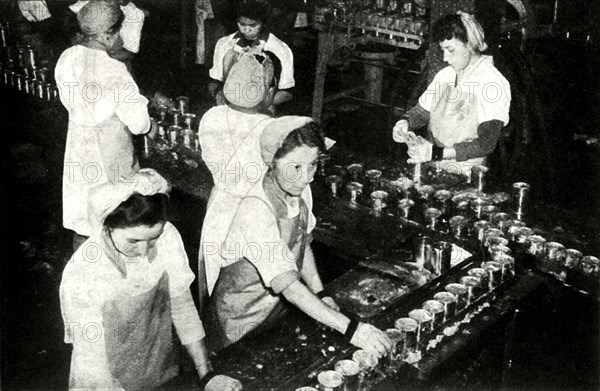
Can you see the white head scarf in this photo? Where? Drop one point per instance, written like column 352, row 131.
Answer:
column 274, row 134
column 104, row 199
column 475, row 34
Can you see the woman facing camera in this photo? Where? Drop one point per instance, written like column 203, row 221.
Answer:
column 125, row 287
column 465, row 106
column 268, row 246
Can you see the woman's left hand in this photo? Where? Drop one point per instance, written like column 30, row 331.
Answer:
column 330, row 302
column 420, row 153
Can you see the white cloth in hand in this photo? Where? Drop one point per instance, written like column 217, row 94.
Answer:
column 420, row 152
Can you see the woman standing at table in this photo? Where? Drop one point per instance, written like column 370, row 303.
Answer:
column 465, row 106
column 105, row 110
column 268, row 246
column 229, row 137
column 253, row 36
column 125, row 287
column 130, row 31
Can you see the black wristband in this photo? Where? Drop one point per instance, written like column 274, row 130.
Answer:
column 208, row 377
column 322, row 294
column 352, row 326
column 437, row 153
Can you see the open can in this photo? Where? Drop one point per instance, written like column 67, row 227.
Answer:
column 366, row 362
column 334, row 182
column 473, row 285
column 436, row 309
column 478, row 177
column 441, row 257
column 458, row 226
column 507, row 263
column 520, row 198
column 408, row 327
column 494, row 270
column 425, row 323
column 354, row 190
column 482, row 275
column 396, row 337
column 460, row 292
column 404, row 205
column 448, row 300
column 350, row 371
column 378, row 198
column 423, row 251
column 330, row 381
column 536, row 245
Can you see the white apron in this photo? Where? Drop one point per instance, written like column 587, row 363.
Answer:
column 232, row 182
column 453, row 119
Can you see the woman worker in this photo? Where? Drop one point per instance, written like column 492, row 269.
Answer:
column 253, row 35
column 105, row 109
column 229, row 139
column 268, row 246
column 130, row 31
column 465, row 106
column 123, row 289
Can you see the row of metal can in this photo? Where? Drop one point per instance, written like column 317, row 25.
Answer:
column 34, row 87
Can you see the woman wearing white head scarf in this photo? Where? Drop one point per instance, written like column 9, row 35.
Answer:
column 105, row 110
column 267, row 248
column 465, row 106
column 125, row 287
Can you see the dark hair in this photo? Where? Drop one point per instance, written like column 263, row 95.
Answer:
column 448, row 27
column 254, row 9
column 139, row 210
column 309, row 135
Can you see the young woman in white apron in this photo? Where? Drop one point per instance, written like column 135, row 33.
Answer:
column 253, row 35
column 125, row 287
column 229, row 139
column 105, row 110
column 465, row 106
column 268, row 247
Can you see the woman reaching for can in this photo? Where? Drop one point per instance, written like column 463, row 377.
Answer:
column 125, row 287
column 268, row 246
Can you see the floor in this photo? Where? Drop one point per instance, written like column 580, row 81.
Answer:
column 557, row 341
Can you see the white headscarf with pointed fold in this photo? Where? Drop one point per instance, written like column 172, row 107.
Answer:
column 475, row 34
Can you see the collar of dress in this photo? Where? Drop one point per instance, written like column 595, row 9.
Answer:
column 115, row 257
column 276, row 196
column 243, row 42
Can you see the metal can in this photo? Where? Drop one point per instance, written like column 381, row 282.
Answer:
column 422, row 251
column 520, row 199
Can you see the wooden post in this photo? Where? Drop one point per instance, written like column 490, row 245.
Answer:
column 183, row 34
column 325, row 51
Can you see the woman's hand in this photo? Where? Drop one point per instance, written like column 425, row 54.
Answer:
column 371, row 339
column 420, row 153
column 400, row 131
column 330, row 302
column 223, row 383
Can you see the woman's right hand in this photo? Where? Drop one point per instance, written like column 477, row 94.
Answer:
column 400, row 131
column 223, row 383
column 371, row 339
